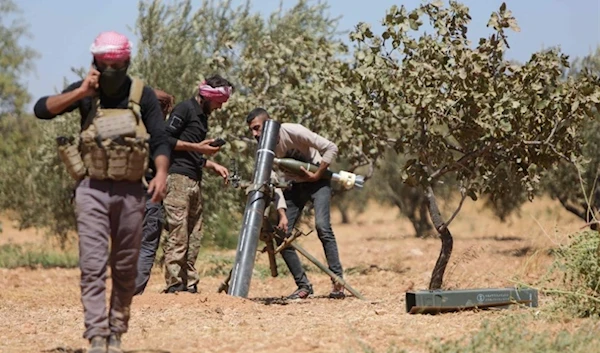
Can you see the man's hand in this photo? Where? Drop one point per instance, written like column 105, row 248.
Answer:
column 205, row 148
column 57, row 104
column 158, row 187
column 283, row 221
column 222, row 171
column 312, row 177
column 90, row 85
column 309, row 176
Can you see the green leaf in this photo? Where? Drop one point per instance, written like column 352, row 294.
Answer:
column 414, row 25
column 574, row 106
column 513, row 25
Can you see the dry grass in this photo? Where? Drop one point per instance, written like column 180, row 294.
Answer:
column 41, row 308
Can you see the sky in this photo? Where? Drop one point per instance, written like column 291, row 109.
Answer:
column 62, row 30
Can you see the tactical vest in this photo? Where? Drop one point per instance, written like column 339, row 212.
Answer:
column 113, row 143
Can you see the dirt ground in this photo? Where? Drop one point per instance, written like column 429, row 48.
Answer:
column 40, row 309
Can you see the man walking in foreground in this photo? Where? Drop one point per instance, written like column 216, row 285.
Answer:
column 117, row 113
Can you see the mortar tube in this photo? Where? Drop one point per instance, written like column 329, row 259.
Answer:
column 253, row 215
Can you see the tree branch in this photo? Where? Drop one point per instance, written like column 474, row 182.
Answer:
column 387, row 139
column 452, row 147
column 461, row 163
column 546, row 142
column 560, row 154
column 552, row 147
column 267, row 83
column 574, row 210
column 370, row 163
column 390, row 60
column 241, row 138
column 305, row 118
column 447, row 223
column 552, row 132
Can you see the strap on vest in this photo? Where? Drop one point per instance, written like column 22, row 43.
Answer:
column 90, row 117
column 135, row 95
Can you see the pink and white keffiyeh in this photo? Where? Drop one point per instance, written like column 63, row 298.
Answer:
column 215, row 94
column 111, row 46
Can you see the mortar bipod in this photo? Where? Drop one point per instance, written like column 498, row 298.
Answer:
column 290, row 241
column 269, row 234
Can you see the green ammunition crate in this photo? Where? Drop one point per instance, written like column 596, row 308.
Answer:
column 435, row 301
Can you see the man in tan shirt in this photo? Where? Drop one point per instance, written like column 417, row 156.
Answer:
column 297, row 142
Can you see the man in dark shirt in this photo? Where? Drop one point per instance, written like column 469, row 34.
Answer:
column 105, row 208
column 187, row 127
column 153, row 217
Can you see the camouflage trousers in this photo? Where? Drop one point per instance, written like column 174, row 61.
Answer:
column 181, row 246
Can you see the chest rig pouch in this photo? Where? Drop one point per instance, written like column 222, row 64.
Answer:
column 113, row 143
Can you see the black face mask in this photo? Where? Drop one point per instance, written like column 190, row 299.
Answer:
column 111, row 80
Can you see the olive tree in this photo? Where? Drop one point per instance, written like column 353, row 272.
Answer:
column 461, row 109
column 575, row 185
column 275, row 61
column 17, row 59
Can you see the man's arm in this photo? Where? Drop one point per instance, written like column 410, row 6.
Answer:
column 176, row 124
column 49, row 107
column 174, row 127
column 154, row 122
column 280, row 204
column 279, row 198
column 326, row 148
column 210, row 164
column 218, row 169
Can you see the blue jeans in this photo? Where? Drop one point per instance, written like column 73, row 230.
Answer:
column 152, row 228
column 319, row 193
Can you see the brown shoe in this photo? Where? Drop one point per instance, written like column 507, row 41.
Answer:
column 97, row 345
column 337, row 292
column 114, row 343
column 301, row 293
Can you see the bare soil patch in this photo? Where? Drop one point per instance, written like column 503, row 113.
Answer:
column 41, row 310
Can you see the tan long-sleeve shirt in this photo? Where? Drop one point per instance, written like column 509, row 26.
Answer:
column 279, row 199
column 298, row 142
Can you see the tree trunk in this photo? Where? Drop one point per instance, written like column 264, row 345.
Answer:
column 424, row 229
column 425, row 226
column 344, row 213
column 582, row 212
column 574, row 210
column 437, row 276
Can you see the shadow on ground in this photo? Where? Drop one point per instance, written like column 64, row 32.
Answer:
column 500, row 238
column 83, row 350
column 284, row 301
column 64, row 350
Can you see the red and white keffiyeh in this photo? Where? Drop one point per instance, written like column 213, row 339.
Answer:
column 111, row 46
column 215, row 94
